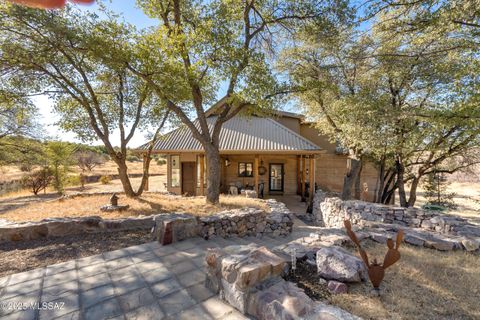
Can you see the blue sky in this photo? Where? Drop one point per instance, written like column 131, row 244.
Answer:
column 48, row 118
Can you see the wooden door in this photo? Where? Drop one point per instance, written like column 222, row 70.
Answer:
column 188, row 178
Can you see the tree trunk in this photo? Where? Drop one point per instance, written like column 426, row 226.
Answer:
column 400, row 182
column 358, row 180
column 123, row 175
column 212, row 156
column 413, row 192
column 350, row 177
column 145, row 175
column 380, row 182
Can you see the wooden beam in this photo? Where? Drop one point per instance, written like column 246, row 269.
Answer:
column 145, row 187
column 299, row 177
column 311, row 176
column 304, row 177
column 202, row 175
column 255, row 174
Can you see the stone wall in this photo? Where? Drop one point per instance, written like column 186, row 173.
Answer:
column 239, row 222
column 59, row 227
column 331, row 211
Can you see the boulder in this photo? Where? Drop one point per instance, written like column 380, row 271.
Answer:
column 335, row 263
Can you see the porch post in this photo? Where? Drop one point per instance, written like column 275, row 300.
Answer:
column 202, row 174
column 255, row 174
column 299, row 177
column 145, row 186
column 304, row 177
column 311, row 176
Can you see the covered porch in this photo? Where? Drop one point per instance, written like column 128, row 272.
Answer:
column 269, row 174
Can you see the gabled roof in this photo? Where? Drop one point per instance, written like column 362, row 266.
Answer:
column 239, row 134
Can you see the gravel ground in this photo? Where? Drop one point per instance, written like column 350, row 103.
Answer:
column 23, row 256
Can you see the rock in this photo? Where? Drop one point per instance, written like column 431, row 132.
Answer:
column 470, row 244
column 322, row 281
column 334, row 263
column 439, row 244
column 337, row 287
column 323, row 311
column 413, row 240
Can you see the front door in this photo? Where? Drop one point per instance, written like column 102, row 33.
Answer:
column 276, row 177
column 188, row 178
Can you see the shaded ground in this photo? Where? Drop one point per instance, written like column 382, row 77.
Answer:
column 22, row 256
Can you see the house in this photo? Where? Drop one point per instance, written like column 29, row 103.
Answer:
column 280, row 154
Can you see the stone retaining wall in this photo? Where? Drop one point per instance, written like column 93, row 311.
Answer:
column 331, row 211
column 59, row 227
column 240, row 222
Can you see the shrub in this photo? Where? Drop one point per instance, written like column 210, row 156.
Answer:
column 73, row 180
column 105, row 179
column 161, row 162
column 133, row 158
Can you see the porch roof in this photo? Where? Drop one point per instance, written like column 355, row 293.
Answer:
column 240, row 134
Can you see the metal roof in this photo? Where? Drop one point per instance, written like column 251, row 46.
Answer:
column 240, row 133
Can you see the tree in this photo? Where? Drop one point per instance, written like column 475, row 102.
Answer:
column 59, row 158
column 436, row 190
column 402, row 99
column 80, row 61
column 199, row 45
column 38, row 180
column 87, row 160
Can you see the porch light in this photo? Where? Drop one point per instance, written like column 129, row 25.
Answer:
column 227, row 162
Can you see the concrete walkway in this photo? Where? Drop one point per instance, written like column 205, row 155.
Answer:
column 147, row 281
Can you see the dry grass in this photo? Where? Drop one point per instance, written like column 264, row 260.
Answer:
column 148, row 204
column 424, row 284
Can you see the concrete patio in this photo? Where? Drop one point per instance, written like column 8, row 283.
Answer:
column 147, row 281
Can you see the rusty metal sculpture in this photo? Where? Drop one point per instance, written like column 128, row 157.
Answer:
column 376, row 271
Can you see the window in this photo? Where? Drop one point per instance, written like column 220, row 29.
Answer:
column 204, row 171
column 245, row 169
column 175, row 171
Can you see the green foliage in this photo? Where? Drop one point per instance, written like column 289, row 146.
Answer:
column 161, row 162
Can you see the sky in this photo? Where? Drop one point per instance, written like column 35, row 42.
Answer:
column 48, row 118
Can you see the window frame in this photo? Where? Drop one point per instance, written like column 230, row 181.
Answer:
column 179, row 173
column 245, row 175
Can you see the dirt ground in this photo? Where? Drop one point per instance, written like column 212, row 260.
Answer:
column 23, row 256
